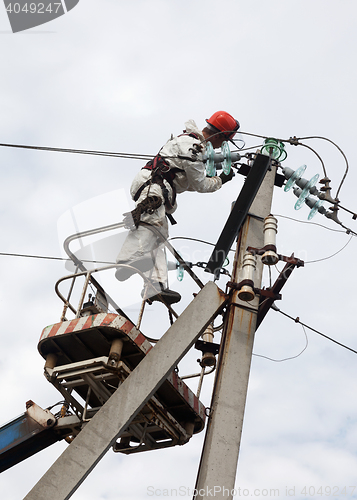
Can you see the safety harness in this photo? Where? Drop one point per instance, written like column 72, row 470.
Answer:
column 161, row 172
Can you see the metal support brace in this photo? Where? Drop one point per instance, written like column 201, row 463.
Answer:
column 92, row 443
column 276, row 288
column 239, row 213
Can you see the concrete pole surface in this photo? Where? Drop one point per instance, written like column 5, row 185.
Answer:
column 218, row 466
column 95, row 439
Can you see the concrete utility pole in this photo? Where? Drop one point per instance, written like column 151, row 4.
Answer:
column 218, row 466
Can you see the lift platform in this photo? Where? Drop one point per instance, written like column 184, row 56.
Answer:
column 88, row 358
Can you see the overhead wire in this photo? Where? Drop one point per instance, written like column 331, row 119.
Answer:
column 354, row 215
column 340, row 150
column 294, row 141
column 316, row 153
column 195, row 239
column 325, row 227
column 286, row 359
column 347, row 229
column 146, row 157
column 135, row 156
column 309, row 222
column 81, row 151
column 297, row 320
column 254, row 135
column 250, row 147
column 30, row 256
column 93, row 152
column 64, row 259
column 330, row 256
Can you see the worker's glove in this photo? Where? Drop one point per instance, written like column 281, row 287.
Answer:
column 149, row 205
column 227, row 177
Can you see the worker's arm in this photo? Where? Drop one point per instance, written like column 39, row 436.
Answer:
column 197, row 179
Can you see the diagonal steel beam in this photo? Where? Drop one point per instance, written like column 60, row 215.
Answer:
column 239, row 213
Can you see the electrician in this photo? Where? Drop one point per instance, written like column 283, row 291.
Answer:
column 178, row 167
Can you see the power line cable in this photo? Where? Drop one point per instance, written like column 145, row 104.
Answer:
column 307, row 222
column 29, row 256
column 316, row 153
column 347, row 230
column 295, row 142
column 297, row 320
column 137, row 156
column 132, row 156
column 250, row 147
column 254, row 135
column 330, row 257
column 340, row 150
column 81, row 151
column 195, row 239
column 286, row 359
column 354, row 215
column 64, row 259
column 145, row 157
column 45, row 257
column 325, row 227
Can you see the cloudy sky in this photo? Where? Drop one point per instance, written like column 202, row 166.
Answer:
column 122, row 76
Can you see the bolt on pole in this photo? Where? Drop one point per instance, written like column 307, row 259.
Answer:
column 218, row 465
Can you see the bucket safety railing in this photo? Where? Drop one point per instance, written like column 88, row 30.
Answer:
column 90, row 279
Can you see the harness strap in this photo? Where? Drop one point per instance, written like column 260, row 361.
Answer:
column 141, row 189
column 171, row 219
column 161, row 171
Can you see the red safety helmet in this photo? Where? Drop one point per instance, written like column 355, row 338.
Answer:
column 224, row 122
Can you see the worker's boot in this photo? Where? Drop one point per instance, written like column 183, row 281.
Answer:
column 162, row 294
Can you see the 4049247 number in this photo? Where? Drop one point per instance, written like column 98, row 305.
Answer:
column 33, row 8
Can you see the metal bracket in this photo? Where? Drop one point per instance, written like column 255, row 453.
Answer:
column 245, row 169
column 266, row 304
column 290, row 260
column 202, row 345
column 258, row 291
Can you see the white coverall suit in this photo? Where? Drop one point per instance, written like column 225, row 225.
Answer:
column 185, row 153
